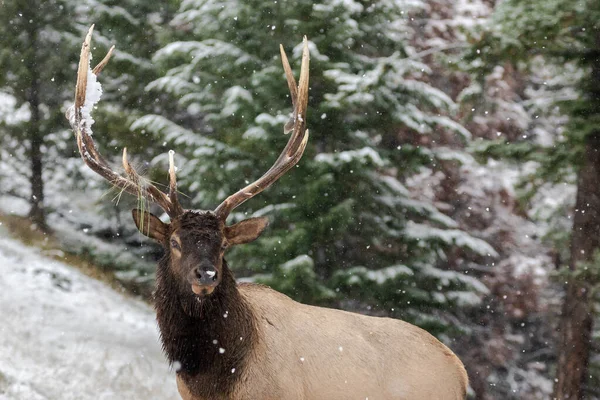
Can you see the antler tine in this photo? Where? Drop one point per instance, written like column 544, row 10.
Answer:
column 173, row 184
column 295, row 146
column 298, row 103
column 132, row 183
column 98, row 68
column 289, row 76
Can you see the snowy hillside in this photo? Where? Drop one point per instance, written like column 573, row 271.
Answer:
column 66, row 336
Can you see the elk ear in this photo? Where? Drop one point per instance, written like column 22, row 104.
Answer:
column 149, row 225
column 246, row 231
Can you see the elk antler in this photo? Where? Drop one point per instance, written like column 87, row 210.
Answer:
column 296, row 144
column 78, row 116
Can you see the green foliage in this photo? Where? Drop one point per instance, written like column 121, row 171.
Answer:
column 587, row 272
column 134, row 29
column 297, row 279
column 40, row 33
column 565, row 35
column 41, row 41
column 343, row 212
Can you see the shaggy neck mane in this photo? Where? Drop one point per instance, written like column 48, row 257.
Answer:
column 207, row 340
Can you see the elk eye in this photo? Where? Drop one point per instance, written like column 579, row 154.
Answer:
column 224, row 246
column 175, row 245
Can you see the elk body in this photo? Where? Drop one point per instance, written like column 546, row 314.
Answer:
column 247, row 341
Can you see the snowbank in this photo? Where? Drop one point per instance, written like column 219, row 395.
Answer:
column 66, row 336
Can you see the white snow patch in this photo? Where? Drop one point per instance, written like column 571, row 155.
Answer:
column 379, row 276
column 66, row 336
column 10, row 113
column 298, row 262
column 362, row 156
column 14, row 206
column 93, row 92
column 451, row 237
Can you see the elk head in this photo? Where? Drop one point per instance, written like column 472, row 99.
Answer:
column 194, row 241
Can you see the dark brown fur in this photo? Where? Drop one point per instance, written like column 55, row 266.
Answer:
column 190, row 325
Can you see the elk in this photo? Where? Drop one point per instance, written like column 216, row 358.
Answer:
column 246, row 341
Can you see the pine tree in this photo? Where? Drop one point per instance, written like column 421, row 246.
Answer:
column 135, row 29
column 41, row 42
column 502, row 353
column 345, row 229
column 35, row 36
column 565, row 33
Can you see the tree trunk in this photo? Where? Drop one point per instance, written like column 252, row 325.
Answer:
column 577, row 314
column 577, row 317
column 37, row 212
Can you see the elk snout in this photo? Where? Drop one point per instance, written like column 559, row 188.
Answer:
column 205, row 274
column 204, row 278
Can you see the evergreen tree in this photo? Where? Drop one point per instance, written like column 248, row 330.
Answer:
column 565, row 33
column 345, row 229
column 50, row 65
column 40, row 45
column 482, row 199
column 35, row 37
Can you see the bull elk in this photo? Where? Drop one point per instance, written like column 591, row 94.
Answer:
column 247, row 341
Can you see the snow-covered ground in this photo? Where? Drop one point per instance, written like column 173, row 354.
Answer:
column 66, row 336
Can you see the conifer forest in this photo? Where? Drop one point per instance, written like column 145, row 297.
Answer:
column 451, row 179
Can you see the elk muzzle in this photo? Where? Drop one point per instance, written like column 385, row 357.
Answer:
column 204, row 278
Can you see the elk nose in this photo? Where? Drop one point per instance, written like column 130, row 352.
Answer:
column 206, row 274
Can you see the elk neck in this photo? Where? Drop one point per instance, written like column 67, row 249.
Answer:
column 210, row 340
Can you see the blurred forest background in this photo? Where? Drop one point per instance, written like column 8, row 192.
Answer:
column 452, row 176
